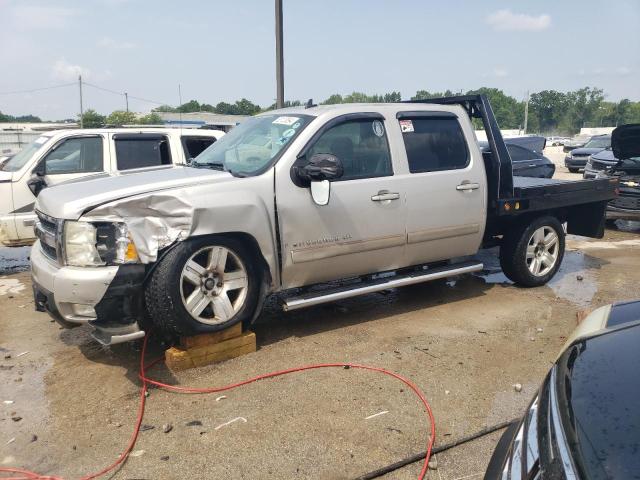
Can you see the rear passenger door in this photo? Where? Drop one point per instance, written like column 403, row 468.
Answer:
column 141, row 150
column 445, row 187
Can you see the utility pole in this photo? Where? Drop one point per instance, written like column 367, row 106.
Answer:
column 126, row 100
column 526, row 113
column 279, row 57
column 81, row 112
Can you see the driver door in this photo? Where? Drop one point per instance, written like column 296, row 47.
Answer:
column 362, row 228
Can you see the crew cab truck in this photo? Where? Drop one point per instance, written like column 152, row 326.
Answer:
column 66, row 155
column 377, row 195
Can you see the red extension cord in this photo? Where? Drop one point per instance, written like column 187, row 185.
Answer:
column 28, row 475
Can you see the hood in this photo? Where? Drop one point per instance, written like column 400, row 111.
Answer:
column 586, row 151
column 625, row 141
column 599, row 410
column 606, row 156
column 71, row 200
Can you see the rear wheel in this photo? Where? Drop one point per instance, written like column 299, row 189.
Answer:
column 203, row 285
column 531, row 255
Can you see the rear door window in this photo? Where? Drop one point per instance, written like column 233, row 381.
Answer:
column 194, row 146
column 140, row 151
column 433, row 143
column 75, row 155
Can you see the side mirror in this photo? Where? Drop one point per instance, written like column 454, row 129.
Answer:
column 321, row 166
column 39, row 170
column 36, row 184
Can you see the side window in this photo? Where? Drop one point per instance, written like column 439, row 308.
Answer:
column 194, row 146
column 434, row 143
column 75, row 155
column 520, row 154
column 361, row 145
column 141, row 151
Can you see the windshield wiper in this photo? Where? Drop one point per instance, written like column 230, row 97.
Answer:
column 213, row 166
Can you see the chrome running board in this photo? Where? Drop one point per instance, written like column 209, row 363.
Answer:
column 376, row 285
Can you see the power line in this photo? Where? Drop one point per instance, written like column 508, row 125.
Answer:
column 38, row 89
column 124, row 94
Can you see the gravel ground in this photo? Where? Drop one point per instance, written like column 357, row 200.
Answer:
column 464, row 342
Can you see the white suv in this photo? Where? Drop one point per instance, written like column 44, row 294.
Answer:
column 65, row 155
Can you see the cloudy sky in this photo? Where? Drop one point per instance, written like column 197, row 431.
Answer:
column 225, row 50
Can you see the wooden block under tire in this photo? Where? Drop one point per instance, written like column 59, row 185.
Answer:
column 177, row 358
column 209, row 338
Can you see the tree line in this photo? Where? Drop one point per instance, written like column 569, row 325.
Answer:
column 550, row 111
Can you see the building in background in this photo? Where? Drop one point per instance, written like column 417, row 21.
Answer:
column 202, row 120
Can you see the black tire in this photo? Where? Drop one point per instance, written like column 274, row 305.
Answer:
column 513, row 252
column 163, row 295
column 573, row 170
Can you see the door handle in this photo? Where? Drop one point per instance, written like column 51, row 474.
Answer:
column 467, row 186
column 383, row 196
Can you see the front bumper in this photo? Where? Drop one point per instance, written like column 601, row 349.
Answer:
column 107, row 298
column 571, row 162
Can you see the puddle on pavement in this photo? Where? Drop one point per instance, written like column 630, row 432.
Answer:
column 576, row 280
column 14, row 260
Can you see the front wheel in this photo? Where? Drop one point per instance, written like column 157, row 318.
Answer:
column 531, row 255
column 203, row 285
column 573, row 170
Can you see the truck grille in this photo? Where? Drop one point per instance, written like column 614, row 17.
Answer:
column 631, row 202
column 46, row 229
column 599, row 166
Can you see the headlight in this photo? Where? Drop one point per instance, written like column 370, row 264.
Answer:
column 524, row 458
column 96, row 244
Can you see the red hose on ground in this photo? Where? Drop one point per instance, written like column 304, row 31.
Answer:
column 28, row 475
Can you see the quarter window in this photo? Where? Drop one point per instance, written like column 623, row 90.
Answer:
column 75, row 155
column 434, row 144
column 361, row 146
column 520, row 154
column 141, row 151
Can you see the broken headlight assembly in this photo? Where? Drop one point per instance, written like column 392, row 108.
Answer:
column 96, row 244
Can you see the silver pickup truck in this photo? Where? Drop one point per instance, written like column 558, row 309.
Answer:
column 380, row 195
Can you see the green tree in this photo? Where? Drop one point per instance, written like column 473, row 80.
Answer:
column 151, row 119
column 225, row 108
column 584, row 104
column 547, row 108
column 92, row 119
column 120, row 117
column 189, row 107
column 333, row 99
column 509, row 112
column 245, row 107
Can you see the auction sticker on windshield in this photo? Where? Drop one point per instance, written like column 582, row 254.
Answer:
column 285, row 121
column 406, row 126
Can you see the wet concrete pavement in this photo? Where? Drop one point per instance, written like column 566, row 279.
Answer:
column 464, row 342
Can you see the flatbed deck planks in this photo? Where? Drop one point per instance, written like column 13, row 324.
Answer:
column 209, row 348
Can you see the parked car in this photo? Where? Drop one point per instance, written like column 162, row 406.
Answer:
column 65, row 155
column 526, row 163
column 584, row 422
column 576, row 142
column 386, row 195
column 599, row 162
column 557, row 141
column 576, row 159
column 625, row 145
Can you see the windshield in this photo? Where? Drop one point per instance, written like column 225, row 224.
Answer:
column 599, row 142
column 20, row 159
column 252, row 146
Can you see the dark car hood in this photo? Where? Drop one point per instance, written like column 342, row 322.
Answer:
column 625, row 141
column 605, row 156
column 586, row 151
column 598, row 392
